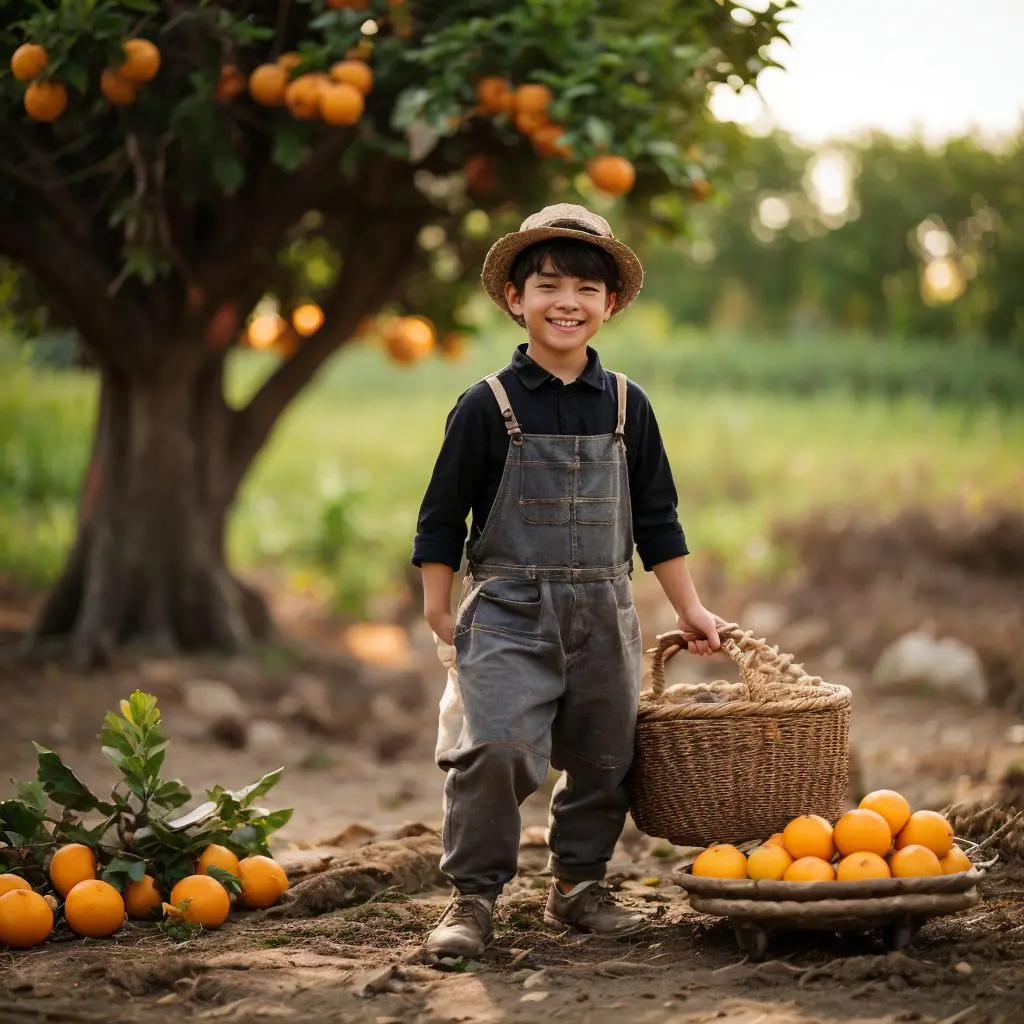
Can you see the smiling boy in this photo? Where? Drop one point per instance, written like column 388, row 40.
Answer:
column 562, row 466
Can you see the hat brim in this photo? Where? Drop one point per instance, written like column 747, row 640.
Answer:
column 501, row 255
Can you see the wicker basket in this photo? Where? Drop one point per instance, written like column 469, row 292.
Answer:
column 731, row 770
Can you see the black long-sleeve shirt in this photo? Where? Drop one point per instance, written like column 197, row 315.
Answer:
column 472, row 457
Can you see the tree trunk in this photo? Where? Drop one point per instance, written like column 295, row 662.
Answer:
column 148, row 565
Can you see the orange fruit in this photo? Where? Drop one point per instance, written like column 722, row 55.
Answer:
column 94, row 908
column 267, row 85
column 204, row 900
column 289, row 61
column 141, row 61
column 341, row 104
column 70, row 865
column 45, row 101
column 230, row 84
column 118, row 91
column 10, row 882
column 809, row 869
column 775, row 839
column 354, row 73
column 612, row 174
column 770, row 862
column 722, row 860
column 493, row 94
column 141, row 898
column 529, row 122
column 302, row 97
column 215, row 856
column 29, row 61
column 533, row 99
column 350, row 5
column 927, row 828
column 545, row 141
column 809, row 835
column 860, row 831
column 25, row 919
column 914, row 861
column 857, row 866
column 890, row 805
column 408, row 338
column 955, row 861
column 263, row 881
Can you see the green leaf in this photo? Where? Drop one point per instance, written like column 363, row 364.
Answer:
column 122, row 870
column 250, row 838
column 599, row 132
column 231, row 882
column 32, row 793
column 276, row 819
column 172, row 794
column 289, row 146
column 60, row 782
column 20, row 818
column 229, row 172
column 259, row 788
column 146, row 6
column 142, row 710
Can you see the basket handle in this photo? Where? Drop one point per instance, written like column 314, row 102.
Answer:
column 762, row 658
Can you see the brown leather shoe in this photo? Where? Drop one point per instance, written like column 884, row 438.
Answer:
column 590, row 907
column 464, row 928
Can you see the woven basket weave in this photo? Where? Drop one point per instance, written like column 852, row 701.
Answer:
column 743, row 764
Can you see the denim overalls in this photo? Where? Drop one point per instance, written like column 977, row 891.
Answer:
column 548, row 656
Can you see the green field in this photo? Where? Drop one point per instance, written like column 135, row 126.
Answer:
column 334, row 495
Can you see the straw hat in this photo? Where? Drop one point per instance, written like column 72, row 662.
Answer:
column 563, row 220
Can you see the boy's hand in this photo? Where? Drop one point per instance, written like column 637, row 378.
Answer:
column 699, row 620
column 443, row 624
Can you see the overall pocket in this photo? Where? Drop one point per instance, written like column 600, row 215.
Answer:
column 545, row 489
column 508, row 606
column 597, row 493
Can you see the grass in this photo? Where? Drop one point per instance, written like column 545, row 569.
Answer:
column 337, row 488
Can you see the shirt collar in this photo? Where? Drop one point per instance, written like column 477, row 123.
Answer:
column 533, row 375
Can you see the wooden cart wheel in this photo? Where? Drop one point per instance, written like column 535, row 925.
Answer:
column 899, row 935
column 752, row 940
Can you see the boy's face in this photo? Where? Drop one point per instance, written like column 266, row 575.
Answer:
column 562, row 313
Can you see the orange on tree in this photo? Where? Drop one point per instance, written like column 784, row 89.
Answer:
column 768, row 862
column 530, row 121
column 46, row 101
column 267, row 85
column 202, row 900
column 612, row 174
column 809, row 869
column 856, row 867
column 354, row 73
column 494, row 95
column 230, row 83
column 217, row 856
column 532, row 99
column 9, row 882
column 263, row 881
column 721, row 860
column 914, row 861
column 70, row 865
column 545, row 141
column 927, row 828
column 890, row 805
column 141, row 61
column 408, row 338
column 341, row 104
column 142, row 898
column 302, row 97
column 120, row 92
column 25, row 919
column 94, row 908
column 29, row 61
column 955, row 861
column 809, row 835
column 289, row 60
column 862, row 830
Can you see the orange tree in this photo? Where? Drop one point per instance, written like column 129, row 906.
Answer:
column 167, row 165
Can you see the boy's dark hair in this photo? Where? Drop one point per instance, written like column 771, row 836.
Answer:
column 570, row 256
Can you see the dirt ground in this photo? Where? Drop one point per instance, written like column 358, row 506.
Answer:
column 306, row 962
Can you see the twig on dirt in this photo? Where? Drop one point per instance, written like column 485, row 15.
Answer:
column 953, row 1018
column 1005, row 827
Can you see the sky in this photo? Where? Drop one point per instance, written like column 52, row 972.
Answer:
column 941, row 67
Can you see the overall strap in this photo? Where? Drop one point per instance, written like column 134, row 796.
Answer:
column 620, row 422
column 512, row 427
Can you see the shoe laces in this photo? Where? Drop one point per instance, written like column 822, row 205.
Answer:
column 463, row 909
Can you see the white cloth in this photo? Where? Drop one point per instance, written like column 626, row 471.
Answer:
column 449, row 719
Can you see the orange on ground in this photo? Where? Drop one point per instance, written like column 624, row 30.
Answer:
column 809, row 835
column 216, row 856
column 303, row 97
column 914, row 861
column 493, row 94
column 204, row 900
column 341, row 104
column 768, row 862
column 141, row 61
column 230, row 84
column 890, row 805
column 354, row 73
column 70, row 865
column 533, row 98
column 267, row 85
column 955, row 861
column 29, row 61
column 722, row 860
column 545, row 141
column 612, row 174
column 10, row 882
column 855, row 867
column 118, row 91
column 263, row 881
column 94, row 908
column 141, row 898
column 927, row 828
column 861, row 831
column 25, row 919
column 775, row 839
column 809, row 869
column 46, row 101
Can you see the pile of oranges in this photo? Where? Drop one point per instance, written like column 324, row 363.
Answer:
column 96, row 909
column 881, row 838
